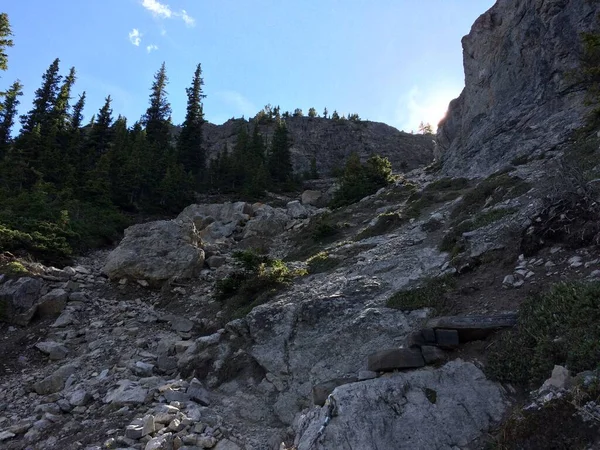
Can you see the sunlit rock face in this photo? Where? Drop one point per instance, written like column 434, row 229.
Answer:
column 520, row 97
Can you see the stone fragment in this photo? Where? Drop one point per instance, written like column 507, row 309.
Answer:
column 53, row 303
column 296, row 210
column 181, row 324
column 18, row 300
column 166, row 363
column 321, row 391
column 397, row 358
column 312, row 197
column 80, row 398
column 78, row 297
column 432, row 354
column 172, row 395
column 472, row 328
column 560, row 379
column 54, row 382
column 54, row 350
column 164, row 442
column 226, row 444
column 214, row 262
column 127, row 392
column 65, row 319
column 6, row 435
column 142, row 369
column 198, row 393
column 446, row 338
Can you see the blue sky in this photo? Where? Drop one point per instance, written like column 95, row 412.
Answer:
column 394, row 61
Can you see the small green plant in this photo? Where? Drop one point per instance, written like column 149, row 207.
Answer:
column 254, row 283
column 14, row 268
column 321, row 262
column 489, row 192
column 324, row 228
column 558, row 327
column 431, row 294
column 452, row 240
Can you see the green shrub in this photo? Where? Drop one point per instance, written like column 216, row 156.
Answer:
column 558, row 327
column 255, row 282
column 321, row 262
column 487, row 193
column 324, row 228
column 451, row 241
column 360, row 180
column 431, row 294
column 448, row 184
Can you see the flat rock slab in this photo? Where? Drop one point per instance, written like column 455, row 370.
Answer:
column 321, row 391
column 446, row 338
column 473, row 328
column 396, row 358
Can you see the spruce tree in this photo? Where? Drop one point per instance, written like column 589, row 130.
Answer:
column 189, row 145
column 280, row 163
column 8, row 111
column 45, row 99
column 5, row 42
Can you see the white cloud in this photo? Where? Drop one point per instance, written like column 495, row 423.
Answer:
column 164, row 11
column 135, row 37
column 189, row 20
column 151, row 48
column 157, row 8
column 416, row 106
column 241, row 105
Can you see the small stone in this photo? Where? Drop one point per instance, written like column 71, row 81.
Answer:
column 65, row 319
column 397, row 358
column 164, row 442
column 198, row 393
column 80, row 398
column 181, row 324
column 143, row 283
column 6, row 435
column 366, row 375
column 446, row 338
column 575, row 261
column 595, row 274
column 560, row 379
column 432, row 354
column 142, row 369
column 214, row 262
column 78, row 297
column 176, row 425
column 54, row 350
column 509, row 280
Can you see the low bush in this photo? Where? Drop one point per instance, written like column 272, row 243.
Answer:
column 431, row 294
column 360, row 180
column 321, row 262
column 558, row 327
column 257, row 279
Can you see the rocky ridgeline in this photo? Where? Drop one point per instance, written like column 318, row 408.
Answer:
column 330, row 142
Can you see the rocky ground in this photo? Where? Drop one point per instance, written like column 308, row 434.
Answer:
column 124, row 351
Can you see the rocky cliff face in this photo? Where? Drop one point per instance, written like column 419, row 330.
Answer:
column 519, row 98
column 331, row 142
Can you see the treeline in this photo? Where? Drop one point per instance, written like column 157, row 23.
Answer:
column 66, row 185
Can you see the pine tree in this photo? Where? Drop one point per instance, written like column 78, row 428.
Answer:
column 45, row 99
column 5, row 42
column 8, row 111
column 280, row 164
column 157, row 117
column 335, row 115
column 325, row 113
column 189, row 145
column 312, row 112
column 75, row 147
column 101, row 133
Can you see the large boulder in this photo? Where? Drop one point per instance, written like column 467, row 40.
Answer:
column 156, row 251
column 268, row 221
column 426, row 409
column 18, row 300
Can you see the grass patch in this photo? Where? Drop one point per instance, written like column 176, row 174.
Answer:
column 431, row 294
column 321, row 262
column 384, row 223
column 489, row 192
column 451, row 242
column 13, row 268
column 558, row 424
column 256, row 280
column 558, row 327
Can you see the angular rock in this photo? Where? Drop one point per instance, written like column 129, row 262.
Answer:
column 6, row 435
column 296, row 210
column 267, row 222
column 156, row 251
column 198, row 393
column 65, row 319
column 18, row 300
column 313, row 198
column 53, row 303
column 472, row 328
column 321, row 391
column 433, row 355
column 181, row 324
column 127, row 392
column 54, row 350
column 396, row 358
column 214, row 262
column 560, row 379
column 80, row 398
column 164, row 442
column 467, row 405
column 78, row 297
column 226, row 444
column 446, row 338
column 56, row 381
column 142, row 369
